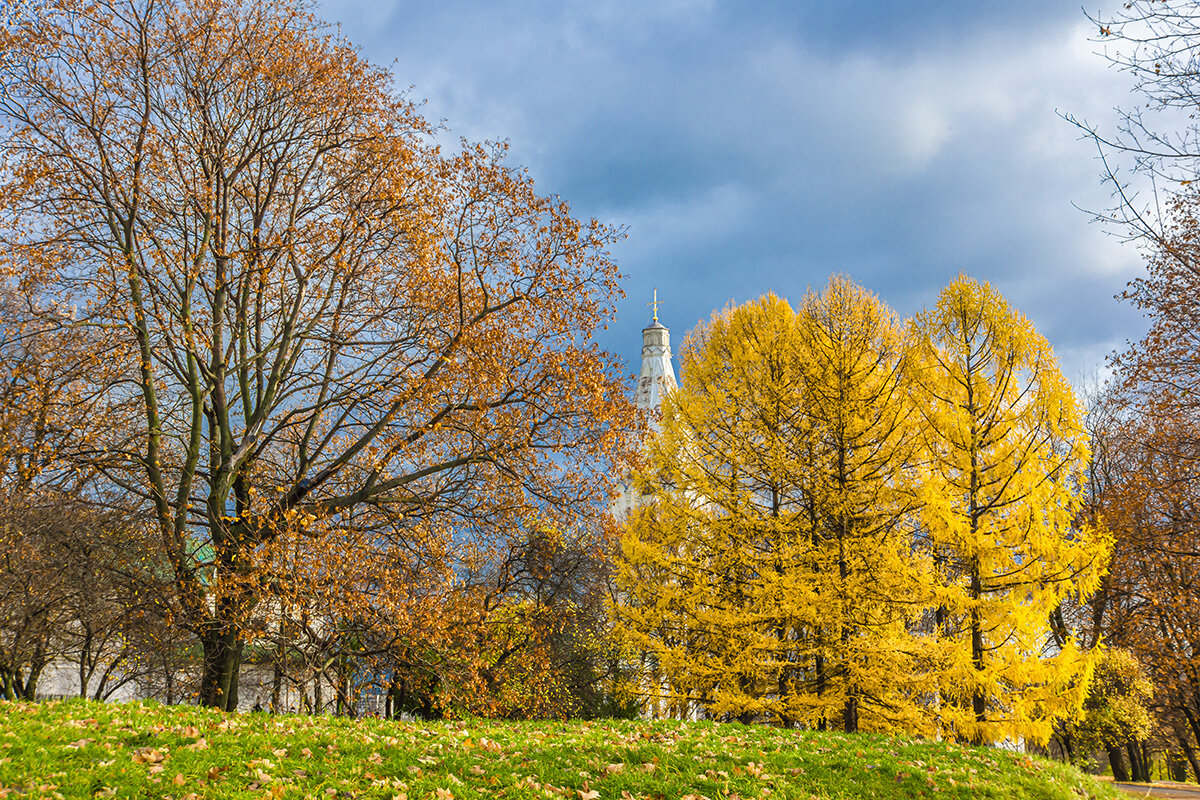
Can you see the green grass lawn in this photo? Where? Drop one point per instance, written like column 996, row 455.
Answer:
column 84, row 749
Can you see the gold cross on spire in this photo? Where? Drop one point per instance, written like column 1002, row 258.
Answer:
column 654, row 304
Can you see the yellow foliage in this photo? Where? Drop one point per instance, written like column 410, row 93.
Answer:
column 1000, row 488
column 859, row 525
column 772, row 577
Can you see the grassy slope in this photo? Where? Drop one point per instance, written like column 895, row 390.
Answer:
column 81, row 749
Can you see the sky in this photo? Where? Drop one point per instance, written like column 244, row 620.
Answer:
column 748, row 146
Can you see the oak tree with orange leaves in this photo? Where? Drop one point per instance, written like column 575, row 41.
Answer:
column 324, row 328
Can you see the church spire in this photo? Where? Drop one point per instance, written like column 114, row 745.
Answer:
column 655, row 379
column 657, row 376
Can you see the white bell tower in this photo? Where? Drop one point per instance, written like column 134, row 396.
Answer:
column 655, row 379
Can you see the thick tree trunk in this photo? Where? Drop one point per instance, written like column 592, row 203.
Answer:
column 1189, row 753
column 1176, row 766
column 222, row 658
column 401, row 698
column 1068, row 748
column 1139, row 764
column 850, row 715
column 1194, row 724
column 36, row 665
column 1117, row 761
column 305, row 703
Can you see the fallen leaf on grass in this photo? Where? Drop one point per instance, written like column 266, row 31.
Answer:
column 148, row 755
column 444, row 794
column 179, row 780
column 78, row 744
column 199, row 744
column 588, row 795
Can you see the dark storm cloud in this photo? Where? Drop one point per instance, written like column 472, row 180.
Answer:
column 763, row 146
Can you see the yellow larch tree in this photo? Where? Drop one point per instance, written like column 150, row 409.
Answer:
column 860, row 448
column 699, row 579
column 1000, row 494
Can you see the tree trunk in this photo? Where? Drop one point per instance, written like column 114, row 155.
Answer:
column 978, row 699
column 1176, row 766
column 1139, row 765
column 277, row 680
column 1117, row 761
column 344, row 708
column 850, row 708
column 36, row 664
column 222, row 656
column 306, row 705
column 401, row 701
column 1194, row 724
column 169, row 682
column 1189, row 753
column 850, row 715
column 821, row 724
column 85, row 657
column 1068, row 748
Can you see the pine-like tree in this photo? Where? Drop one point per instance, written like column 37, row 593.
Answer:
column 1000, row 492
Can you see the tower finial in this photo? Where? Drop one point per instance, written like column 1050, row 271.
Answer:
column 654, row 304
